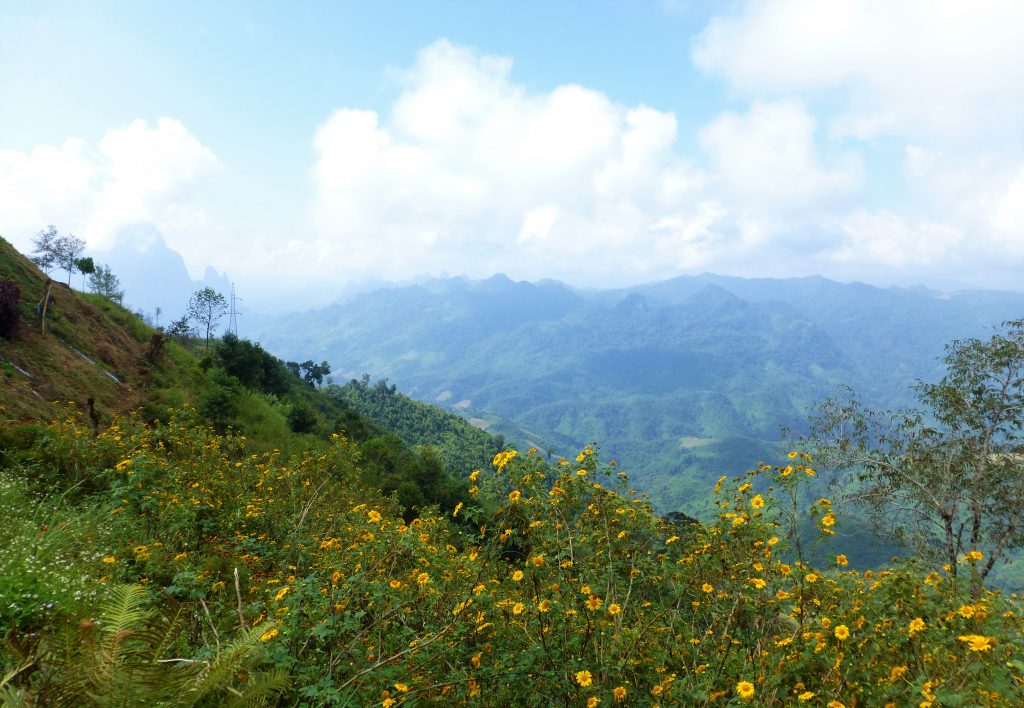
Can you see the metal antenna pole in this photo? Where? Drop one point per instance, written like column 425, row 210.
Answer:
column 234, row 313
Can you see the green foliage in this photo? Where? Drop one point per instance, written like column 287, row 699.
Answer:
column 564, row 587
column 947, row 479
column 251, row 365
column 302, row 418
column 103, row 282
column 218, row 403
column 460, row 446
column 121, row 658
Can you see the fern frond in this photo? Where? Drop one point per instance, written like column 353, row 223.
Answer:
column 231, row 659
column 13, row 697
column 259, row 688
column 124, row 610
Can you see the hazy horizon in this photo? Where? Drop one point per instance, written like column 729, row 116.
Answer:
column 299, row 149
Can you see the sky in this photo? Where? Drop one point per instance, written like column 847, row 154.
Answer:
column 303, row 146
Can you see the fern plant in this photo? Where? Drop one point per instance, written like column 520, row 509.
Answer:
column 131, row 655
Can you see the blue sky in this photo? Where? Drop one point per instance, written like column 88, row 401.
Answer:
column 306, row 145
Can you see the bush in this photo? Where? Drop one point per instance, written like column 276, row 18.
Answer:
column 10, row 320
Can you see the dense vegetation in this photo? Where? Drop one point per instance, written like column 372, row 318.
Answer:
column 461, row 447
column 148, row 555
column 676, row 379
column 216, row 547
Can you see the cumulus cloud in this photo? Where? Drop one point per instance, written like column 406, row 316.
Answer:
column 768, row 156
column 471, row 171
column 908, row 67
column 941, row 80
column 139, row 173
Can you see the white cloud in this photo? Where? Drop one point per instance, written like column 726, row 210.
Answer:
column 890, row 240
column 767, row 157
column 472, row 172
column 943, row 68
column 138, row 173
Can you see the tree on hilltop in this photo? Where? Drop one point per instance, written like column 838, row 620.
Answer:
column 103, row 282
column 206, row 307
column 45, row 253
column 68, row 249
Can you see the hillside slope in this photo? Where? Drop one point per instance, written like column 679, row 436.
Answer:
column 93, row 349
column 90, row 348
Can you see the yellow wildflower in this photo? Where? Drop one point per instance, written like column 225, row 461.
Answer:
column 584, row 678
column 745, row 690
column 978, row 642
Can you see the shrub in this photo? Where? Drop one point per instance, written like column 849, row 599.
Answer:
column 10, row 320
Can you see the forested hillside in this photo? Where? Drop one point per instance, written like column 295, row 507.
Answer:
column 460, row 446
column 676, row 380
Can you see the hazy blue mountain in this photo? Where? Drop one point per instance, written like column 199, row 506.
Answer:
column 154, row 275
column 679, row 381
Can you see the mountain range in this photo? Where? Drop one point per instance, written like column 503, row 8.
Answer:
column 679, row 381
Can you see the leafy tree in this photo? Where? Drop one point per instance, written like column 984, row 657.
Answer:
column 10, row 320
column 105, row 283
column 949, row 478
column 251, row 365
column 46, row 244
column 85, row 266
column 302, row 418
column 219, row 402
column 314, row 373
column 180, row 329
column 206, row 307
column 67, row 250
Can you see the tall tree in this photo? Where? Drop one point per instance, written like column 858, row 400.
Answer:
column 206, row 307
column 947, row 479
column 103, row 282
column 67, row 251
column 45, row 253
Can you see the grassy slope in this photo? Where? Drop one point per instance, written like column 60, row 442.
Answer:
column 109, row 336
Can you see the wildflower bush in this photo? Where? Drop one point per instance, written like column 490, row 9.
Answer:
column 556, row 584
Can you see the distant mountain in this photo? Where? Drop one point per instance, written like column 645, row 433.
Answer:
column 679, row 381
column 153, row 275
